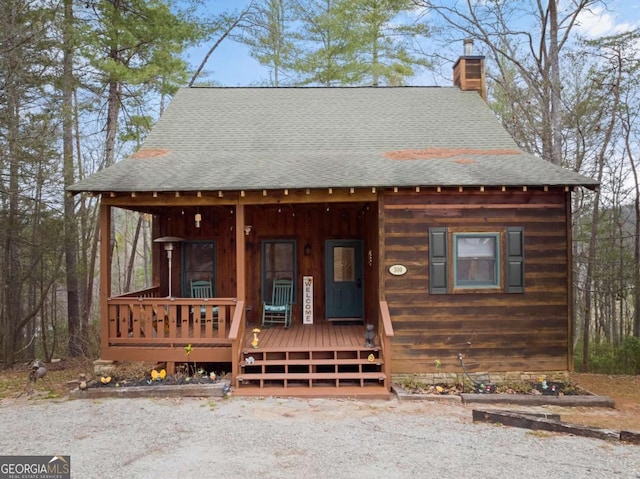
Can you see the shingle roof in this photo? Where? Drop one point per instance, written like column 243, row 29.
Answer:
column 267, row 138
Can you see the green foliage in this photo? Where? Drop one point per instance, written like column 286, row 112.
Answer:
column 605, row 358
column 30, row 220
column 356, row 42
column 327, row 43
column 268, row 36
column 134, row 53
column 136, row 128
column 386, row 36
column 629, row 355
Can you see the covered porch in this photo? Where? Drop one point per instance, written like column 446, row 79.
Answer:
column 157, row 324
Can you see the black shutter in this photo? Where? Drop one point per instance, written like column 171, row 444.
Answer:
column 515, row 260
column 438, row 278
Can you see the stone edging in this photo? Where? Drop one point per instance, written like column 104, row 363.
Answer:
column 531, row 400
column 221, row 389
column 170, row 391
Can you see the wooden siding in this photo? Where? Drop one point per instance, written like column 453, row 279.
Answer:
column 469, row 74
column 311, row 224
column 308, row 224
column 494, row 331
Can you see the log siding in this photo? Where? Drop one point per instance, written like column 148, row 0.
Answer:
column 493, row 330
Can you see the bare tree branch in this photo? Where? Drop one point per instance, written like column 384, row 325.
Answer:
column 218, row 42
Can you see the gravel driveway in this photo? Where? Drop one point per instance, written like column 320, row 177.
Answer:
column 290, row 438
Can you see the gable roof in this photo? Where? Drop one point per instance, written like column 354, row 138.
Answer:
column 268, row 138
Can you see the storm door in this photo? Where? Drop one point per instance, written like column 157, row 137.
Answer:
column 198, row 263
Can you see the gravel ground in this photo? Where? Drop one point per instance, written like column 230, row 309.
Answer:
column 291, row 438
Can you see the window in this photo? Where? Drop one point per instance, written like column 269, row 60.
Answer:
column 344, row 258
column 198, row 263
column 278, row 262
column 476, row 261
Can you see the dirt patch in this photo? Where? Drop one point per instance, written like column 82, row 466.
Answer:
column 14, row 382
column 624, row 390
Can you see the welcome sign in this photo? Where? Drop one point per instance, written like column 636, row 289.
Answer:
column 307, row 300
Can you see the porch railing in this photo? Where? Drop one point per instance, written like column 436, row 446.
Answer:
column 154, row 321
column 385, row 333
column 152, row 292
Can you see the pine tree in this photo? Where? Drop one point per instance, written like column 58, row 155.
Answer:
column 267, row 33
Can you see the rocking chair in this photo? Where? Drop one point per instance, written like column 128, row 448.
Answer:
column 202, row 289
column 278, row 310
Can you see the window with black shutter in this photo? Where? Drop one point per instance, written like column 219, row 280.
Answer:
column 466, row 261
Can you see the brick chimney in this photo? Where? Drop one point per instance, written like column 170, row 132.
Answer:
column 468, row 72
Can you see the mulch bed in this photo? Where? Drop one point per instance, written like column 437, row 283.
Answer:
column 176, row 380
column 536, row 389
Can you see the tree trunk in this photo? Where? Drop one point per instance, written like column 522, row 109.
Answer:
column 636, row 269
column 554, row 77
column 614, row 93
column 588, row 282
column 132, row 256
column 76, row 340
column 636, row 242
column 11, row 273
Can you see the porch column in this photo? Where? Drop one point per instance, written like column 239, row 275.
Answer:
column 105, row 274
column 240, row 254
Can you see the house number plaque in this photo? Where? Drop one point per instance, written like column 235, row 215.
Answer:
column 397, row 269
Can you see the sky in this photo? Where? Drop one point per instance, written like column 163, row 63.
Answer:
column 231, row 65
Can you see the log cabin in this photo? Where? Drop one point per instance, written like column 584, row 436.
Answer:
column 412, row 228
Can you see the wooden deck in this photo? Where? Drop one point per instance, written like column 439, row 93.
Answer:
column 325, row 335
column 319, row 360
column 322, row 359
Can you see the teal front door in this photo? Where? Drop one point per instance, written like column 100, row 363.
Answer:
column 344, row 288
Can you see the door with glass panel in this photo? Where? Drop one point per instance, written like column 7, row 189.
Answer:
column 344, row 288
column 198, row 264
column 278, row 262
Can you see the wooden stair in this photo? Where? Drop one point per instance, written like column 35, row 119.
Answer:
column 341, row 371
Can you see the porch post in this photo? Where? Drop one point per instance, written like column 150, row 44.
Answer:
column 105, row 275
column 236, row 332
column 240, row 254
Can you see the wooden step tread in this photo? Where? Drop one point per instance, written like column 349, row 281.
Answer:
column 312, row 376
column 311, row 362
column 303, row 349
column 373, row 391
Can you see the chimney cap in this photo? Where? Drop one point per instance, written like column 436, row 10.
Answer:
column 468, row 47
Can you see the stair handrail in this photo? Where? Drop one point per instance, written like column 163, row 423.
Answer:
column 385, row 334
column 236, row 335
